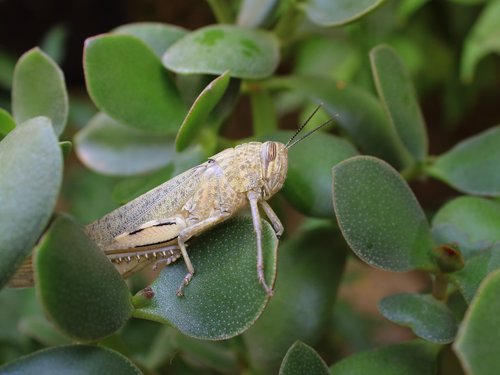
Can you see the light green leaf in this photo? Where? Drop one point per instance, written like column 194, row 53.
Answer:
column 472, row 165
column 339, row 12
column 254, row 13
column 224, row 298
column 108, row 147
column 427, row 317
column 39, row 89
column 477, row 341
column 399, row 99
column 245, row 53
column 301, row 359
column 6, row 122
column 158, row 36
column 379, row 216
column 126, row 80
column 30, row 178
column 78, row 286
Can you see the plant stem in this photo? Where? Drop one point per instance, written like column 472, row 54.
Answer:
column 440, row 287
column 221, row 10
column 287, row 25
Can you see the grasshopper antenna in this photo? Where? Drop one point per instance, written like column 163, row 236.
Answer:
column 331, row 121
column 302, row 126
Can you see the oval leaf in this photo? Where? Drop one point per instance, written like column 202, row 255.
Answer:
column 126, row 80
column 78, row 286
column 30, row 178
column 301, row 359
column 158, row 36
column 74, row 360
column 108, row 147
column 409, row 358
column 477, row 341
column 472, row 165
column 39, row 89
column 308, row 271
column 224, row 298
column 201, row 108
column 6, row 122
column 399, row 99
column 379, row 216
column 245, row 53
column 339, row 12
column 427, row 317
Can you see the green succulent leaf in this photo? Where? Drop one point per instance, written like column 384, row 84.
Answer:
column 472, row 165
column 399, row 99
column 254, row 13
column 309, row 275
column 224, row 298
column 78, row 286
column 158, row 36
column 379, row 216
column 30, row 178
column 427, row 317
column 74, row 360
column 6, row 123
column 410, row 358
column 245, row 53
column 477, row 341
column 301, row 359
column 39, row 89
column 339, row 12
column 126, row 80
column 108, row 147
column 201, row 108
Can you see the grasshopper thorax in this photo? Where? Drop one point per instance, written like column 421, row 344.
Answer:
column 274, row 166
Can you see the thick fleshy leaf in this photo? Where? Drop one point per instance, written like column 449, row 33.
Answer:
column 74, row 360
column 472, row 165
column 301, row 359
column 108, row 147
column 483, row 39
column 339, row 12
column 6, row 122
column 224, row 298
column 308, row 185
column 399, row 99
column 126, row 80
column 39, row 89
column 254, row 13
column 358, row 112
column 78, row 286
column 309, row 274
column 201, row 108
column 245, row 53
column 476, row 269
column 410, row 358
column 477, row 341
column 379, row 216
column 30, row 178
column 427, row 317
column 448, row 234
column 158, row 36
column 478, row 219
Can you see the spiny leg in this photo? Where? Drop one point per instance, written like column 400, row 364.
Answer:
column 275, row 221
column 253, row 199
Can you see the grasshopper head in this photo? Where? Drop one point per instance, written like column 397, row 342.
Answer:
column 274, row 161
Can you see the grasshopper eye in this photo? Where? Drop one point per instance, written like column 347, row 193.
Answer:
column 271, row 151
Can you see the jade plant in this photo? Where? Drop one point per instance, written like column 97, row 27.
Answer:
column 164, row 99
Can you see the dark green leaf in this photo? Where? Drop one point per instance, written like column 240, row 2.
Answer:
column 224, row 298
column 66, row 147
column 427, row 317
column 477, row 342
column 7, row 65
column 30, row 177
column 245, row 53
column 379, row 216
column 79, row 288
column 158, row 36
column 301, row 359
column 472, row 165
column 399, row 99
column 39, row 89
column 201, row 108
column 309, row 274
column 53, row 42
column 74, row 360
column 409, row 358
column 126, row 80
column 339, row 12
column 108, row 147
column 6, row 122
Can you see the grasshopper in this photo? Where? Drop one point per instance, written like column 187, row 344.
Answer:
column 155, row 227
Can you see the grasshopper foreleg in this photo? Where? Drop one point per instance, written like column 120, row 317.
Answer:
column 275, row 221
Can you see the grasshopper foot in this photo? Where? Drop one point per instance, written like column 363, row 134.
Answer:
column 185, row 282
